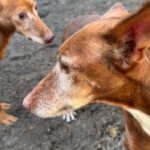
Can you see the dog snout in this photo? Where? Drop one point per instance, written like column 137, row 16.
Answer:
column 49, row 38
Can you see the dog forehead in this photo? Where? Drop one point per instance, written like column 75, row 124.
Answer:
column 18, row 4
column 29, row 3
column 88, row 38
column 25, row 3
column 82, row 36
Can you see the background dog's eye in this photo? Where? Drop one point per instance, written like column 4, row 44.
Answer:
column 65, row 68
column 22, row 16
column 36, row 7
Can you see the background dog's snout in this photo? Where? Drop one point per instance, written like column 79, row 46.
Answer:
column 49, row 39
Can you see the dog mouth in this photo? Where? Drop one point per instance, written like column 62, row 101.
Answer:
column 30, row 39
column 41, row 41
column 42, row 113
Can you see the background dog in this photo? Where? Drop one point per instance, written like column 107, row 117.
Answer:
column 20, row 16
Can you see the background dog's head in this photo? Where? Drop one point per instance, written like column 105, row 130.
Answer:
column 22, row 16
column 95, row 64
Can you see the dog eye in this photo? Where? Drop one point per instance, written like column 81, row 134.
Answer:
column 22, row 16
column 36, row 7
column 65, row 68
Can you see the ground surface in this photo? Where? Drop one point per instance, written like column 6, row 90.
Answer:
column 97, row 127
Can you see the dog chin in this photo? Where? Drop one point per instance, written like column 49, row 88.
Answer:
column 33, row 38
column 44, row 114
column 51, row 114
column 36, row 39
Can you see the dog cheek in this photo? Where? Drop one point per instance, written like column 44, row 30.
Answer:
column 20, row 28
column 82, row 94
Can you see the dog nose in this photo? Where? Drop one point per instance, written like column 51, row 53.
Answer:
column 49, row 39
column 27, row 102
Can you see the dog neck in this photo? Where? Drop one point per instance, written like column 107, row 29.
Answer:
column 6, row 33
column 133, row 95
column 141, row 111
column 141, row 86
column 6, row 29
column 135, row 134
column 134, row 98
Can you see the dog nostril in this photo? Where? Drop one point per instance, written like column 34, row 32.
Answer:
column 49, row 39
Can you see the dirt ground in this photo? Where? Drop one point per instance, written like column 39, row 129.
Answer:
column 97, row 127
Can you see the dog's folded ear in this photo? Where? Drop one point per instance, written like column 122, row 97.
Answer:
column 132, row 35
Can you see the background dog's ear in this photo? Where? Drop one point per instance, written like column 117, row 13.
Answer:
column 132, row 35
column 117, row 10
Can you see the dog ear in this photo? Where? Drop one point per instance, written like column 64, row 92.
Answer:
column 117, row 10
column 132, row 35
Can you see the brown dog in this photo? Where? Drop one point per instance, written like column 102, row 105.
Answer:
column 107, row 61
column 20, row 16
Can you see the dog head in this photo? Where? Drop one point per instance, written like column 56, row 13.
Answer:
column 22, row 16
column 98, row 63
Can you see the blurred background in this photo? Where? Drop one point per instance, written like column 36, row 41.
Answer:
column 97, row 127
